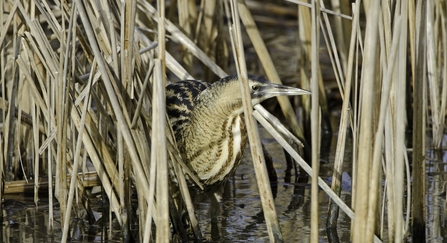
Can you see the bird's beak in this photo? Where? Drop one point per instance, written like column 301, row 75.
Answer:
column 272, row 90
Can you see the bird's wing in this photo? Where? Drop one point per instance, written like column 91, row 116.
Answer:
column 180, row 99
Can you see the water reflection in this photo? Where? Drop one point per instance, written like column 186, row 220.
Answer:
column 241, row 217
column 24, row 222
column 436, row 195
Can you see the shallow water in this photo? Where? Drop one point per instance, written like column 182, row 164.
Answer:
column 240, row 217
column 436, row 219
column 23, row 222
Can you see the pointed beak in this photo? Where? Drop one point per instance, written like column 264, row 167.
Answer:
column 272, row 90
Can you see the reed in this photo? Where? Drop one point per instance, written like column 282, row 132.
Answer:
column 315, row 117
column 82, row 83
column 419, row 121
column 268, row 206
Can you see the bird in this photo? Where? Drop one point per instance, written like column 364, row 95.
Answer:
column 208, row 123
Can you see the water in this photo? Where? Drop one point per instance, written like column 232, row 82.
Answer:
column 436, row 194
column 23, row 222
column 240, row 217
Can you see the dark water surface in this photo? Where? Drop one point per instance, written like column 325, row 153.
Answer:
column 24, row 222
column 436, row 193
column 240, row 218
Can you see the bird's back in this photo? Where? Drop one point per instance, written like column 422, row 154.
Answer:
column 180, row 100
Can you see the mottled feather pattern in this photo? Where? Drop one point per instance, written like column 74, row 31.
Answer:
column 234, row 156
column 180, row 100
column 208, row 122
column 217, row 152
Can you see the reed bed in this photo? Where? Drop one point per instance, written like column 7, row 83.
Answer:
column 82, row 90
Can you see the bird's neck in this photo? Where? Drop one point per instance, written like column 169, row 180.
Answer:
column 217, row 104
column 211, row 115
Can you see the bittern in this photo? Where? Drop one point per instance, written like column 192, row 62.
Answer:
column 208, row 122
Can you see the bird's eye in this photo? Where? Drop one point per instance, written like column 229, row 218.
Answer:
column 255, row 87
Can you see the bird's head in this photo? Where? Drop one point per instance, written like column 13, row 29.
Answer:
column 260, row 89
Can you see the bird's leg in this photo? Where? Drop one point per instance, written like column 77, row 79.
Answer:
column 271, row 171
column 288, row 173
column 215, row 211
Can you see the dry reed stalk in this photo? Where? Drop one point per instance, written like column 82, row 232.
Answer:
column 129, row 63
column 321, row 9
column 143, row 90
column 411, row 29
column 149, row 213
column 61, row 108
column 139, row 173
column 262, row 179
column 260, row 115
column 366, row 135
column 184, row 23
column 90, row 179
column 355, row 117
column 437, row 69
column 184, row 40
column 35, row 138
column 187, row 199
column 50, row 99
column 400, row 122
column 304, row 31
column 377, row 154
column 333, row 52
column 209, row 11
column 419, row 123
column 342, row 40
column 123, row 117
column 159, row 152
column 95, row 157
column 199, row 20
column 46, row 72
column 63, row 89
column 273, row 126
column 178, row 70
column 127, row 43
column 172, row 64
column 76, row 160
column 346, row 113
column 315, row 118
column 2, row 79
column 10, row 117
column 389, row 126
column 2, row 169
column 209, row 28
column 159, row 147
column 389, row 147
column 123, row 187
column 269, row 67
column 271, row 8
column 50, row 193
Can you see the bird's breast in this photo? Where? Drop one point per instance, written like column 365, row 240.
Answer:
column 216, row 150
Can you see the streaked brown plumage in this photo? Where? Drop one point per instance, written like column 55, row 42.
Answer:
column 208, row 122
